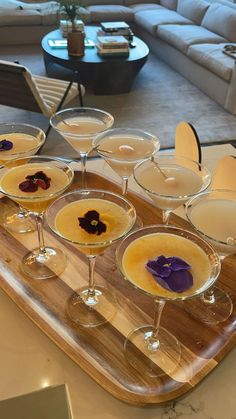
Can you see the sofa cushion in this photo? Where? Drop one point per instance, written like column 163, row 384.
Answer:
column 86, row 3
column 108, row 13
column 50, row 5
column 222, row 20
column 151, row 19
column 211, row 57
column 9, row 5
column 193, row 10
column 148, row 6
column 20, row 18
column 134, row 2
column 169, row 4
column 182, row 36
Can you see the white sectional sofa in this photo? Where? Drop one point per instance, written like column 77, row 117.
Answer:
column 187, row 34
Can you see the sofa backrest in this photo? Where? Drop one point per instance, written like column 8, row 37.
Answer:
column 130, row 2
column 193, row 10
column 221, row 19
column 169, row 4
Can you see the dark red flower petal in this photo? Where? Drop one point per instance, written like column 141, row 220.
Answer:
column 42, row 184
column 28, row 186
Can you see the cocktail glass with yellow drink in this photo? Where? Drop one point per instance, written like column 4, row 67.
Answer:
column 91, row 220
column 19, row 140
column 79, row 126
column 170, row 181
column 213, row 215
column 168, row 264
column 123, row 148
column 34, row 183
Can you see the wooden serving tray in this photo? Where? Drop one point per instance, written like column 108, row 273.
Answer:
column 99, row 350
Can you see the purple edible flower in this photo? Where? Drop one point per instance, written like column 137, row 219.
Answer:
column 5, row 145
column 171, row 273
column 33, row 182
column 91, row 223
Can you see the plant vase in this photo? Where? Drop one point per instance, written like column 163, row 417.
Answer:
column 75, row 44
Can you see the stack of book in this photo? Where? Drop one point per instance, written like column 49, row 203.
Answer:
column 112, row 45
column 66, row 26
column 115, row 29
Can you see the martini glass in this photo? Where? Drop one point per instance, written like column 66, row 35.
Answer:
column 123, row 148
column 171, row 181
column 23, row 140
column 212, row 215
column 91, row 220
column 34, row 182
column 152, row 349
column 79, row 126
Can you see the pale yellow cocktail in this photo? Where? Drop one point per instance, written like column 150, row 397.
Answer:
column 40, row 199
column 116, row 220
column 149, row 247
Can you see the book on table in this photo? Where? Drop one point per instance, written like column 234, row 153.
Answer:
column 112, row 42
column 110, row 52
column 114, row 26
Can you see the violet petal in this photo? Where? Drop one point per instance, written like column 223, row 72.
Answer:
column 157, row 269
column 5, row 145
column 180, row 281
column 177, row 264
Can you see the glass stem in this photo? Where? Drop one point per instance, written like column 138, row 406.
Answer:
column 208, row 297
column 39, row 225
column 153, row 341
column 91, row 298
column 124, row 185
column 165, row 216
column 83, row 159
column 22, row 212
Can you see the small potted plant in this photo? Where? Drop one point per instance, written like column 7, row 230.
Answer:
column 75, row 38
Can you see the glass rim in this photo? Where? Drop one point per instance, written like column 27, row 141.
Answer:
column 86, row 191
column 152, row 137
column 200, row 195
column 39, row 197
column 201, row 290
column 176, row 197
column 84, row 108
column 20, row 154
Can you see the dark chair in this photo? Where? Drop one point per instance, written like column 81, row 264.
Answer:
column 21, row 89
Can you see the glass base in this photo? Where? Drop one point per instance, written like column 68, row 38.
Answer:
column 45, row 265
column 18, row 221
column 152, row 360
column 216, row 311
column 91, row 310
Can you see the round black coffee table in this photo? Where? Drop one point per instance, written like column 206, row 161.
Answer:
column 110, row 75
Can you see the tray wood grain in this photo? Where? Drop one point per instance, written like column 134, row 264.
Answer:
column 99, row 351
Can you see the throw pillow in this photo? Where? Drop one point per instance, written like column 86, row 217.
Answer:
column 38, row 6
column 169, row 4
column 9, row 5
column 193, row 10
column 221, row 20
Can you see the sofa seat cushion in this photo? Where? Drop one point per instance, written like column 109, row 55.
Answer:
column 148, row 6
column 182, row 36
column 20, row 18
column 151, row 19
column 222, row 20
column 211, row 57
column 109, row 13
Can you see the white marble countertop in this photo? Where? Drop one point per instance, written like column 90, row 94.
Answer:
column 30, row 361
